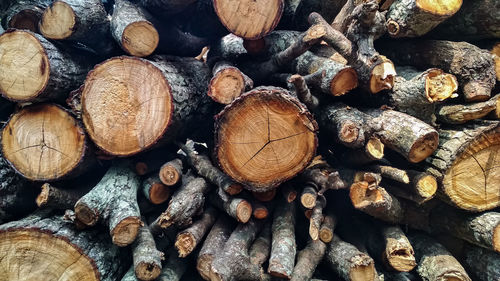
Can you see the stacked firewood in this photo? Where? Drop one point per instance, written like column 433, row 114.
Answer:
column 250, row 140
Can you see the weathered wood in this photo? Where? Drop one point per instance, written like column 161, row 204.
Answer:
column 114, row 201
column 174, row 268
column 261, row 248
column 462, row 113
column 146, row 258
column 398, row 252
column 308, row 259
column 24, row 14
column 53, row 197
column 54, row 249
column 237, row 208
column 481, row 264
column 154, row 190
column 317, row 218
column 36, row 70
column 228, row 82
column 189, row 238
column 283, row 249
column 171, row 172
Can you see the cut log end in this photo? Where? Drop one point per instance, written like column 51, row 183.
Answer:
column 496, row 239
column 43, row 142
column 25, row 66
column 439, row 85
column 25, row 19
column 147, row 271
column 203, row 265
column 477, row 169
column 401, row 259
column 140, row 39
column 260, row 212
column 244, row 211
column 227, row 85
column 423, row 147
column 264, row 138
column 344, row 81
column 249, row 19
column 184, row 244
column 476, row 91
column 325, row 235
column 363, row 195
column 117, row 113
column 42, row 198
column 43, row 248
column 375, row 148
column 158, row 193
column 58, row 21
column 362, row 269
column 426, row 186
column 440, row 7
column 382, row 76
column 349, row 132
column 125, row 231
column 308, row 200
column 169, row 175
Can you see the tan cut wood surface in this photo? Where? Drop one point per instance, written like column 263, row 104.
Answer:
column 43, row 142
column 58, row 21
column 440, row 7
column 140, row 39
column 24, row 64
column 120, row 97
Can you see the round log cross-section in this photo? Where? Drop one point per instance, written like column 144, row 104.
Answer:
column 43, row 142
column 264, row 138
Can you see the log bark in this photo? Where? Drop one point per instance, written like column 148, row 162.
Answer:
column 289, row 192
column 237, row 208
column 24, row 14
column 327, row 227
column 171, row 172
column 249, row 20
column 482, row 264
column 189, row 238
column 317, row 218
column 462, row 113
column 308, row 259
column 186, row 203
column 37, row 70
column 465, row 158
column 398, row 252
column 261, row 248
column 84, row 21
column 474, row 21
column 177, row 102
column 43, row 142
column 434, row 261
column 473, row 67
column 54, row 249
column 214, row 243
column 308, row 197
column 56, row 198
column 154, row 190
column 348, row 262
column 174, row 268
column 147, row 259
column 413, row 18
column 243, row 150
column 282, row 259
column 114, row 201
column 228, row 82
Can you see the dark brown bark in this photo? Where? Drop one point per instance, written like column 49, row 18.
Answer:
column 265, row 196
column 189, row 238
column 282, row 259
column 308, row 259
column 114, row 201
column 171, row 172
column 462, row 113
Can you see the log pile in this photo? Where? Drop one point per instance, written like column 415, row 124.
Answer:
column 250, row 140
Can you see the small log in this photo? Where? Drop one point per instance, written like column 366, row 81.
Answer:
column 237, row 208
column 204, row 167
column 132, row 29
column 322, row 178
column 308, row 259
column 308, row 197
column 434, row 261
column 327, row 227
column 283, row 249
column 154, row 190
column 260, row 210
column 348, row 262
column 482, row 264
column 36, row 70
column 233, row 261
column 328, row 10
column 265, row 196
column 316, row 218
column 55, row 249
column 289, row 192
column 114, row 201
column 147, row 259
column 84, row 21
column 214, row 243
column 185, row 203
column 171, row 172
column 174, row 268
column 417, row 17
column 189, row 238
column 465, row 157
column 56, row 198
column 459, row 114
column 43, row 142
column 151, row 161
column 24, row 14
column 227, row 83
column 479, row 229
column 303, row 92
column 176, row 102
column 473, row 67
column 398, row 252
column 474, row 21
column 261, row 248
column 243, row 156
column 249, row 20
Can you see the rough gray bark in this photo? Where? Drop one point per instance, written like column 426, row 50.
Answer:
column 147, row 259
column 154, row 190
column 189, row 238
column 482, row 264
column 261, row 248
column 174, row 268
column 282, row 259
column 308, row 259
column 114, row 201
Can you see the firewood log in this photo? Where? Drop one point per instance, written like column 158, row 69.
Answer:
column 84, row 21
column 462, row 113
column 473, row 67
column 36, row 70
column 482, row 264
column 57, row 198
column 243, row 150
column 283, row 248
column 174, row 268
column 171, row 172
column 236, row 207
column 154, row 190
column 466, row 157
column 317, row 217
column 228, row 82
column 169, row 90
column 189, row 238
column 327, row 227
column 25, row 14
column 397, row 252
column 261, row 248
column 146, row 257
column 413, row 18
column 114, row 201
column 43, row 142
column 308, row 259
column 54, row 249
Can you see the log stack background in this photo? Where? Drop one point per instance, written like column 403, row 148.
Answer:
column 250, row 140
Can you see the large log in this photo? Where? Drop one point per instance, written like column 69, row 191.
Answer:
column 117, row 112
column 265, row 125
column 43, row 142
column 482, row 264
column 467, row 156
column 43, row 245
column 35, row 70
